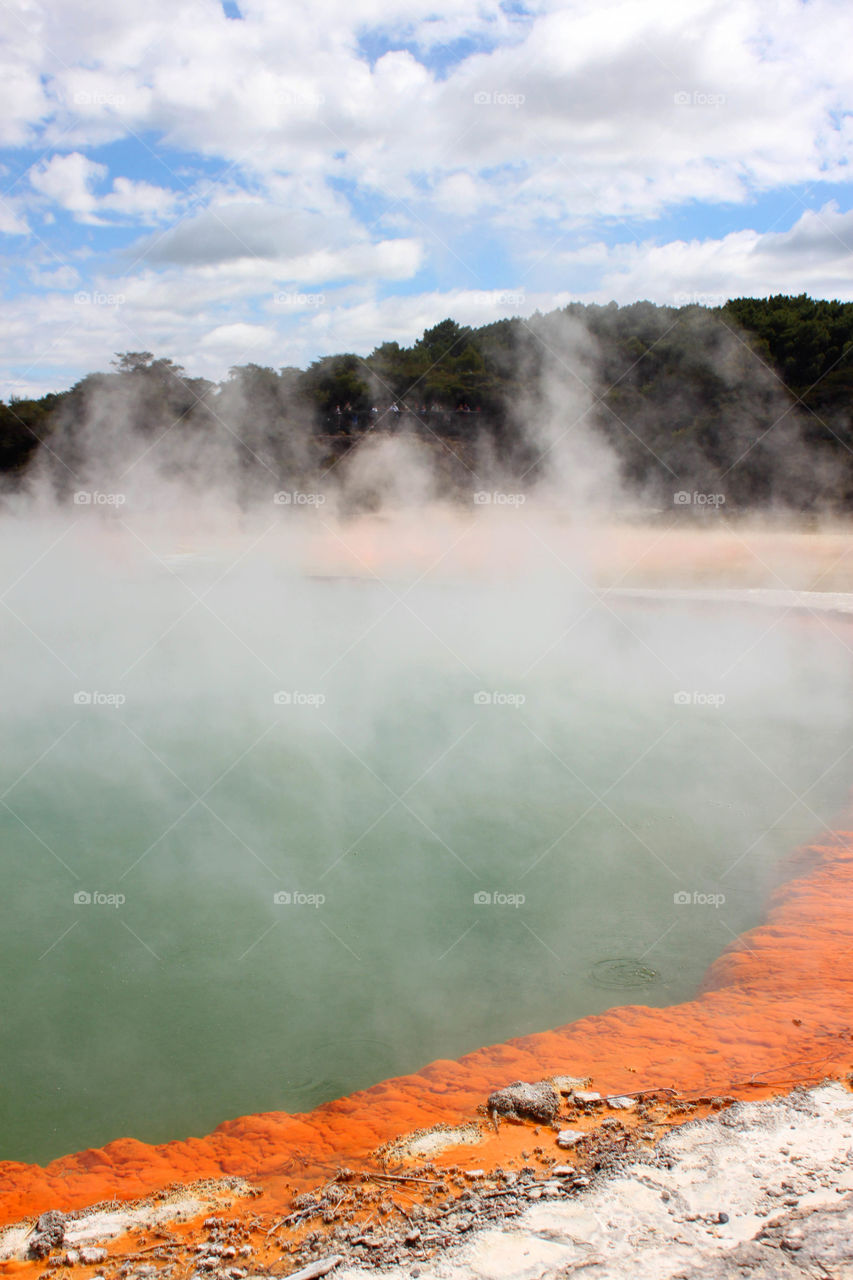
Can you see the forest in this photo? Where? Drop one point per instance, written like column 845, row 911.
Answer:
column 752, row 399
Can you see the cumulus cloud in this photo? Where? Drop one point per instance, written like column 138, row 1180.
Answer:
column 69, row 181
column 370, row 154
column 815, row 256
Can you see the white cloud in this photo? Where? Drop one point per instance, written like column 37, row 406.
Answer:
column 68, row 181
column 329, row 175
column 815, row 256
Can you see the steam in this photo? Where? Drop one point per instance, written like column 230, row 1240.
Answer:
column 392, row 678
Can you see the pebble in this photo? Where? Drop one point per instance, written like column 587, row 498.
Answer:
column 92, row 1255
column 621, row 1104
column 793, row 1240
column 570, row 1137
column 586, row 1097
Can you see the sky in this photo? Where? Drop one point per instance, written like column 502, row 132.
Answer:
column 267, row 182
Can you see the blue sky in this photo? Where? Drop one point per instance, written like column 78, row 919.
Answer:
column 223, row 184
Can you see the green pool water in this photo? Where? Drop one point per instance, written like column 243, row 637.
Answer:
column 485, row 800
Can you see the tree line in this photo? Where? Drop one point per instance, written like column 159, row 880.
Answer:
column 754, row 397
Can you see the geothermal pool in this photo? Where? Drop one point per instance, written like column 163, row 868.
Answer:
column 272, row 836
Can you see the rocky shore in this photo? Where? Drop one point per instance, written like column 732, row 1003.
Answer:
column 605, row 1188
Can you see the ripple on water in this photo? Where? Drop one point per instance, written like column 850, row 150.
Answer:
column 623, row 974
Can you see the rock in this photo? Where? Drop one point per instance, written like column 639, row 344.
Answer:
column 570, row 1137
column 563, row 1171
column 565, row 1084
column 793, row 1240
column 50, row 1233
column 72, row 1257
column 539, row 1101
column 92, row 1255
column 621, row 1104
column 473, row 1174
column 585, row 1097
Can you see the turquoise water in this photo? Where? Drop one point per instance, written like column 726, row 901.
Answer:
column 383, row 797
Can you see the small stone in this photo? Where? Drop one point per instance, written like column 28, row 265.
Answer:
column 586, row 1097
column 72, row 1257
column 563, row 1170
column 92, row 1255
column 621, row 1104
column 473, row 1174
column 538, row 1101
column 793, row 1240
column 570, row 1137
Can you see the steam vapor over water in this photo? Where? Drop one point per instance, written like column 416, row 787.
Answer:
column 294, row 803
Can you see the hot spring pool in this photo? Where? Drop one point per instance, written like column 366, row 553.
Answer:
column 270, row 839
